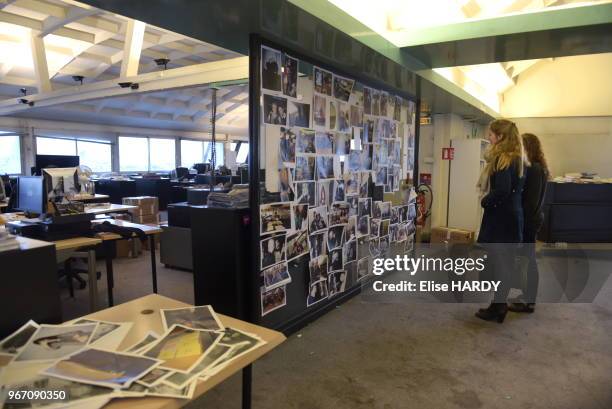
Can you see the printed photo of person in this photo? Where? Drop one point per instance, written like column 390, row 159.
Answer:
column 384, row 227
column 367, row 100
column 270, row 69
column 273, row 299
column 300, row 216
column 335, row 260
column 351, row 183
column 317, row 219
column 304, row 168
column 362, row 268
column 275, row 217
column 374, row 246
column 354, row 161
column 318, row 244
column 375, row 227
column 343, row 88
column 333, row 115
column 284, row 185
column 395, row 214
column 287, row 147
column 352, row 201
column 339, row 191
column 356, row 116
column 336, row 282
column 381, row 176
column 385, row 210
column 342, row 144
column 319, row 111
column 324, row 143
column 363, row 226
column 368, row 131
column 393, row 233
column 339, row 213
column 275, row 110
column 305, row 193
column 322, row 81
column 364, row 182
column 402, row 232
column 272, row 250
column 375, row 102
column 276, row 275
column 365, row 207
column 384, row 99
column 317, row 292
column 305, row 141
column 297, row 244
column 325, row 167
column 298, row 114
column 350, row 232
column 344, row 124
column 51, row 342
column 289, row 75
column 377, row 209
column 383, row 245
column 325, row 193
column 317, row 268
column 335, row 237
column 350, row 251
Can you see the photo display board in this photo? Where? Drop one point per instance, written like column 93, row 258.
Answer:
column 326, row 140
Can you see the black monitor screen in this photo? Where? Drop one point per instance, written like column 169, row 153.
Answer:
column 31, row 197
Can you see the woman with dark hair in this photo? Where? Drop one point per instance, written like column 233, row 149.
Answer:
column 501, row 184
column 536, row 177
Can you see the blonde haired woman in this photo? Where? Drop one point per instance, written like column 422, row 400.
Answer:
column 501, row 183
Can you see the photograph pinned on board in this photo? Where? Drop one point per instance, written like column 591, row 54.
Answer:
column 305, row 193
column 273, row 251
column 299, row 216
column 104, row 368
column 275, row 110
column 276, row 275
column 393, row 232
column 364, row 182
column 273, row 299
column 350, row 251
column 368, row 131
column 410, row 161
column 397, row 109
column 287, row 147
column 338, row 213
column 351, row 273
column 375, row 227
column 377, row 209
column 335, row 262
column 356, row 116
column 333, row 115
column 297, row 244
column 325, row 192
column 410, row 112
column 289, row 76
column 384, row 99
column 395, row 214
column 403, row 213
column 304, row 168
column 324, row 143
column 285, row 183
column 317, row 292
column 410, row 228
column 353, row 202
column 51, row 342
column 383, row 245
column 388, row 188
column 363, row 244
column 322, row 81
column 375, row 102
column 343, row 88
column 351, row 183
column 363, row 226
column 366, row 157
column 336, row 282
column 390, row 105
column 275, row 217
column 15, row 341
column 374, row 246
column 298, row 114
column 354, row 161
column 339, row 191
column 317, row 219
column 319, row 113
column 383, row 153
column 363, row 268
column 335, row 237
column 384, row 228
column 344, row 121
column 305, row 141
column 149, row 338
column 318, row 244
column 367, row 100
column 325, row 167
column 385, row 210
column 365, row 207
column 271, row 69
column 350, row 232
column 342, row 144
column 411, row 212
column 396, row 178
column 409, row 244
column 381, row 176
column 317, row 267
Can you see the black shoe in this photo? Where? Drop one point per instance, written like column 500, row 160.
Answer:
column 495, row 312
column 522, row 307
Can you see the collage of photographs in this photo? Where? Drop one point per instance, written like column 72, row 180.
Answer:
column 330, row 150
column 78, row 357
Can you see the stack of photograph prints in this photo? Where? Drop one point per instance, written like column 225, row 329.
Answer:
column 327, row 139
column 82, row 359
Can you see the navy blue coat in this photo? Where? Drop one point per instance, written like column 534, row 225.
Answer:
column 502, row 221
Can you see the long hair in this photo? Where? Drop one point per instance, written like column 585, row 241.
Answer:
column 534, row 152
column 508, row 148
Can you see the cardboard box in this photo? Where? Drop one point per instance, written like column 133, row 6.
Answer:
column 451, row 235
column 146, row 219
column 128, row 248
column 147, row 205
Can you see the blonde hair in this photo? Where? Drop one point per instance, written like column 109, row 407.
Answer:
column 508, row 148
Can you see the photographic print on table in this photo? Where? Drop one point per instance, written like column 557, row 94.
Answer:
column 304, row 168
column 271, row 68
column 362, row 268
column 352, row 201
column 325, row 192
column 15, row 341
column 343, row 88
column 365, row 207
column 363, row 226
column 367, row 100
column 375, row 102
column 322, row 81
column 344, row 124
column 317, row 219
column 276, row 275
column 273, row 299
column 318, row 244
column 317, row 268
column 297, row 244
column 103, row 368
column 339, row 190
column 356, row 116
column 298, row 114
column 324, row 143
column 350, row 251
column 319, row 113
column 180, row 380
column 273, row 251
column 154, row 376
column 161, row 390
column 317, row 292
column 325, row 167
column 104, row 328
column 149, row 338
column 275, row 110
column 381, row 176
column 305, row 193
column 335, row 260
column 51, row 342
column 336, row 282
column 342, row 144
column 339, row 213
column 274, row 217
column 287, row 147
column 285, row 180
column 335, row 236
column 289, row 76
column 384, row 99
column 305, row 141
column 375, row 227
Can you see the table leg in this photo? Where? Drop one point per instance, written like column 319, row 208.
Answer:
column 93, row 280
column 153, row 262
column 247, row 382
column 110, row 281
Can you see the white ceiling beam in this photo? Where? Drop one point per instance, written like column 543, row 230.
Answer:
column 132, row 48
column 52, row 23
column 37, row 25
column 39, row 56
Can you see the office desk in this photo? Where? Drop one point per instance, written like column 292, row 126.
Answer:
column 113, row 208
column 144, row 313
column 97, row 198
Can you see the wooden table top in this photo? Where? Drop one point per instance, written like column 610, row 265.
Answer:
column 113, row 208
column 148, row 230
column 75, row 243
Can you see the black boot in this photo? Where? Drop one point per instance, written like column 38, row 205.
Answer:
column 495, row 312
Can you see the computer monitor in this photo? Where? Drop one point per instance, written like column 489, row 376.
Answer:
column 202, row 168
column 55, row 161
column 61, row 182
column 31, row 195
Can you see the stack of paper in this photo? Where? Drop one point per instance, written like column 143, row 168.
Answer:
column 7, row 241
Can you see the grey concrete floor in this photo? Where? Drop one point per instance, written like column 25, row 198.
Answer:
column 423, row 356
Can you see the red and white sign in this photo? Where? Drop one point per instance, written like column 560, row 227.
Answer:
column 448, row 153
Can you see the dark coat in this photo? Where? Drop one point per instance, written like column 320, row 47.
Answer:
column 502, row 221
column 533, row 197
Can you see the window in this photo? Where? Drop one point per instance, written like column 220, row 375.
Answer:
column 243, row 153
column 10, row 154
column 55, row 146
column 191, row 152
column 95, row 155
column 161, row 154
column 220, row 154
column 133, row 154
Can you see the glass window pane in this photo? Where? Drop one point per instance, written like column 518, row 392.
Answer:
column 192, row 152
column 96, row 156
column 220, row 154
column 243, row 153
column 54, row 146
column 10, row 154
column 133, row 154
column 162, row 155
